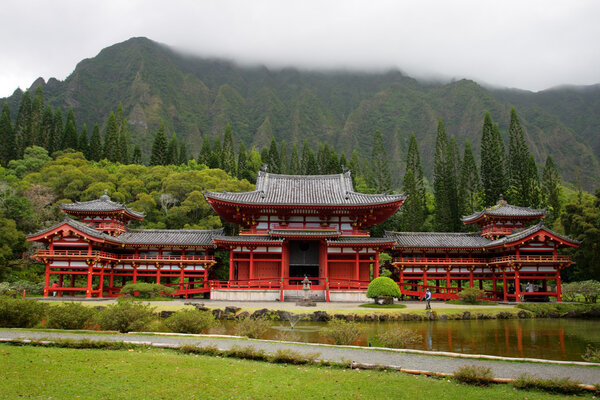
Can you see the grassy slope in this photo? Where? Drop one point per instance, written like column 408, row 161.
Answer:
column 164, row 374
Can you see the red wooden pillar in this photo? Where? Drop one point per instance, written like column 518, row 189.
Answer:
column 72, row 280
column 376, row 266
column 111, row 279
column 471, row 277
column 558, row 289
column 134, row 280
column 401, row 281
column 101, row 283
column 47, row 279
column 158, row 273
column 448, row 281
column 517, row 286
column 231, row 269
column 181, row 277
column 505, row 292
column 424, row 278
column 88, row 287
column 356, row 265
column 251, row 271
column 60, row 284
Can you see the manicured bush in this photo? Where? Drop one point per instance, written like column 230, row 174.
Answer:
column 287, row 356
column 553, row 385
column 570, row 291
column 342, row 332
column 252, row 328
column 474, row 375
column 590, row 290
column 210, row 350
column 19, row 313
column 247, row 352
column 28, row 287
column 470, row 295
column 147, row 290
column 125, row 316
column 190, row 321
column 70, row 316
column 383, row 287
column 399, row 338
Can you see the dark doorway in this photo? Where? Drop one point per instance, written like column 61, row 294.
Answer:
column 304, row 259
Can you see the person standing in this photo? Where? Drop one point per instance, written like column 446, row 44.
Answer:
column 428, row 299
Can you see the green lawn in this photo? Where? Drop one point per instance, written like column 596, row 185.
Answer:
column 39, row 372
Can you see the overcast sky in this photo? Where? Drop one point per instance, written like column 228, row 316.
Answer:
column 530, row 45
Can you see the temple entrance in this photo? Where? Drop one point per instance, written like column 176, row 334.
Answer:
column 304, row 259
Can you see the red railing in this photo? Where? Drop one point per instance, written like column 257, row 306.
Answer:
column 530, row 259
column 348, row 284
column 119, row 257
column 291, row 230
column 440, row 261
column 274, row 283
column 441, row 292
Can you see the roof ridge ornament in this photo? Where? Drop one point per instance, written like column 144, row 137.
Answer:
column 105, row 196
column 501, row 201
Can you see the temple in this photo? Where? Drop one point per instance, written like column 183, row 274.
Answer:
column 292, row 227
column 100, row 248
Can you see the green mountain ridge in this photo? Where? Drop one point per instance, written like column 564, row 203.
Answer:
column 197, row 96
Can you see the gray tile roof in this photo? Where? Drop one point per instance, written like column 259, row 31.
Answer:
column 360, row 240
column 302, row 232
column 328, row 190
column 523, row 233
column 445, row 240
column 503, row 209
column 88, row 230
column 103, row 204
column 249, row 239
column 170, row 237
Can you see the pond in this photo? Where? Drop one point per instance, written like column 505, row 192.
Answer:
column 555, row 339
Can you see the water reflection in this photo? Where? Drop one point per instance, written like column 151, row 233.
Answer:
column 557, row 339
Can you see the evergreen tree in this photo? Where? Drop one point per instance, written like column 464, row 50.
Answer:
column 492, row 163
column 333, row 162
column 136, row 158
column 264, row 156
column 304, row 160
column 124, row 140
column 228, row 153
column 214, row 160
column 159, row 146
column 355, row 164
column 69, row 137
column 95, row 152
column 311, row 163
column 111, row 139
column 37, row 117
column 441, row 176
column 242, row 160
column 172, row 157
column 517, row 170
column 82, row 142
column 183, row 153
column 22, row 126
column 413, row 211
column 283, row 157
column 294, row 167
column 322, row 158
column 551, row 191
column 119, row 116
column 205, row 151
column 8, row 145
column 274, row 158
column 469, row 189
column 343, row 162
column 535, row 191
column 45, row 131
column 54, row 141
column 380, row 176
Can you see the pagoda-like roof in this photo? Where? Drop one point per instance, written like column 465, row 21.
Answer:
column 311, row 190
column 77, row 226
column 438, row 240
column 244, row 240
column 538, row 229
column 504, row 210
column 170, row 237
column 363, row 241
column 103, row 205
column 306, row 233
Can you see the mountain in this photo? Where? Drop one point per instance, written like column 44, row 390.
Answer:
column 197, row 96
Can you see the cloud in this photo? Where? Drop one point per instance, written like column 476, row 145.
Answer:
column 530, row 45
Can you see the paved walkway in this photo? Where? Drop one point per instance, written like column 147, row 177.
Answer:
column 276, row 305
column 405, row 359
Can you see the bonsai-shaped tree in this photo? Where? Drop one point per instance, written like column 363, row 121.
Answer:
column 383, row 288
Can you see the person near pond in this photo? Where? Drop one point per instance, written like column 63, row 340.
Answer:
column 529, row 287
column 428, row 299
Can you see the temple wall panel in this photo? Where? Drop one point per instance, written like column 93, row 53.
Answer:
column 243, row 270
column 267, row 269
column 341, row 270
column 364, row 272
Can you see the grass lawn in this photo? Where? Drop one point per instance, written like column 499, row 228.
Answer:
column 39, row 372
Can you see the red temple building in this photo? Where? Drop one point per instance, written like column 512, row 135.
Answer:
column 292, row 227
column 101, row 248
column 520, row 261
column 295, row 226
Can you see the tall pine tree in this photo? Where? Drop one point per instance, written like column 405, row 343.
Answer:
column 443, row 183
column 551, row 191
column 69, row 137
column 8, row 145
column 283, row 157
column 22, row 126
column 183, row 153
column 95, row 153
column 124, row 140
column 492, row 162
column 274, row 159
column 380, row 176
column 294, row 167
column 136, row 158
column 519, row 179
column 205, row 150
column 413, row 211
column 470, row 186
column 82, row 143
column 228, row 152
column 172, row 157
column 54, row 140
column 111, row 139
column 159, row 147
column 37, row 118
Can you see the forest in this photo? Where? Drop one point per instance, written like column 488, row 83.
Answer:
column 48, row 159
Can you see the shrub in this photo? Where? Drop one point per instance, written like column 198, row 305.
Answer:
column 190, row 321
column 69, row 316
column 248, row 353
column 383, row 287
column 4, row 288
column 147, row 290
column 590, row 290
column 474, row 375
column 400, row 338
column 287, row 356
column 18, row 313
column 592, row 354
column 470, row 295
column 210, row 350
column 570, row 291
column 125, row 316
column 29, row 287
column 552, row 385
column 342, row 332
column 252, row 328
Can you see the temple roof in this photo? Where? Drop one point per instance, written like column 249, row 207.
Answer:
column 250, row 239
column 170, row 237
column 80, row 226
column 532, row 230
column 304, row 232
column 318, row 190
column 445, row 240
column 360, row 241
column 104, row 205
column 503, row 209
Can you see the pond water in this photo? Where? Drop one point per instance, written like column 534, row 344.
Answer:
column 555, row 339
